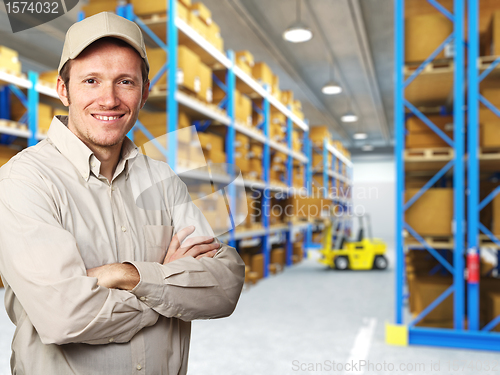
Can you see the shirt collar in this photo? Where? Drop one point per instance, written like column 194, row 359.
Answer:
column 79, row 154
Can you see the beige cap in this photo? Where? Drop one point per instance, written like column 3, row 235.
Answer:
column 81, row 34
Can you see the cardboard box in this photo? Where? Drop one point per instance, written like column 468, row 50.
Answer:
column 188, row 69
column 257, row 265
column 256, row 151
column 200, row 10
column 424, row 290
column 423, row 34
column 49, row 78
column 489, row 135
column 287, row 97
column 98, row 6
column 492, row 36
column 243, row 163
column 9, row 60
column 205, row 74
column 492, row 95
column 310, row 207
column 45, row 113
column 243, row 108
column 214, row 156
column 198, row 24
column 278, row 256
column 263, row 73
column 426, row 140
column 6, row 153
column 244, row 59
column 319, row 133
column 214, row 36
column 415, row 125
column 242, row 141
column 183, row 12
column 432, row 213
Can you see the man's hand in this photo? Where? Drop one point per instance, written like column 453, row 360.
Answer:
column 116, row 276
column 196, row 247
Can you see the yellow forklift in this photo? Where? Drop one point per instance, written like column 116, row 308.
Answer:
column 361, row 253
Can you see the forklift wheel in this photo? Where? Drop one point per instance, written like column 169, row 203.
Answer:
column 341, row 263
column 380, row 262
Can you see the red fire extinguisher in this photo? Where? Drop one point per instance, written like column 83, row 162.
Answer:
column 473, row 265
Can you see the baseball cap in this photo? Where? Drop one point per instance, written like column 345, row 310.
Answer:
column 106, row 24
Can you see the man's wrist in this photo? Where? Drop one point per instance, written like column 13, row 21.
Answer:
column 128, row 277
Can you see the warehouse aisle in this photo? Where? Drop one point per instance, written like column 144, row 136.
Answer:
column 308, row 317
column 304, row 321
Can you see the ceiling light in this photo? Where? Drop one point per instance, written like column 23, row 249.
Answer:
column 367, row 148
column 298, row 32
column 360, row 136
column 349, row 117
column 331, row 88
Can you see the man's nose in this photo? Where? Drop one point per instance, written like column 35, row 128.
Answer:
column 108, row 97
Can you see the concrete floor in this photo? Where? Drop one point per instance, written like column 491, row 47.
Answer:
column 304, row 321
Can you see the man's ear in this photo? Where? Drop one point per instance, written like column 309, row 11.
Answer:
column 145, row 93
column 62, row 91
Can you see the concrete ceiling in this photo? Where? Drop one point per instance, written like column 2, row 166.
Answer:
column 355, row 35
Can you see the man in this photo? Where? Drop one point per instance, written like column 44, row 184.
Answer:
column 97, row 282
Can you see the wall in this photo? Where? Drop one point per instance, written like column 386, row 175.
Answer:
column 373, row 193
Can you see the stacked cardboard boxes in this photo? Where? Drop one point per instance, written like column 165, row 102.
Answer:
column 245, row 61
column 278, row 167
column 192, row 74
column 263, row 74
column 419, row 135
column 241, row 151
column 9, row 60
column 156, row 123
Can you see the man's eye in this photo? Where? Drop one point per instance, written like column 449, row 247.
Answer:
column 90, row 80
column 126, row 82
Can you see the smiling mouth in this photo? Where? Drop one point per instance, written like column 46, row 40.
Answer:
column 107, row 118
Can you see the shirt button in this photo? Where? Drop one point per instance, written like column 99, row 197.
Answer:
column 124, row 229
column 143, row 298
column 92, row 164
column 179, row 315
column 139, row 367
column 111, row 339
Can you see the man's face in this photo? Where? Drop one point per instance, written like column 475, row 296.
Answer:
column 106, row 93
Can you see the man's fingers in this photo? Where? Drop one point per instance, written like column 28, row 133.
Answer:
column 209, row 254
column 190, row 242
column 201, row 249
column 175, row 242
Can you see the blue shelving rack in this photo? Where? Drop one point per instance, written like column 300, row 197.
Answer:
column 233, row 73
column 462, row 335
column 331, row 174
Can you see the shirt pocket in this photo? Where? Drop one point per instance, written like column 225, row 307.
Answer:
column 158, row 239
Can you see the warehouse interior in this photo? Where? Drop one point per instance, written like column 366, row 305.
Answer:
column 379, row 125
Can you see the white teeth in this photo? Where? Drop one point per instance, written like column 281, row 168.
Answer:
column 106, row 118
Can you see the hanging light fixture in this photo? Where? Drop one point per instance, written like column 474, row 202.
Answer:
column 332, row 87
column 367, row 148
column 298, row 32
column 349, row 117
column 360, row 135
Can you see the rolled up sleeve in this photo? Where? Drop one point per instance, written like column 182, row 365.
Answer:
column 190, row 288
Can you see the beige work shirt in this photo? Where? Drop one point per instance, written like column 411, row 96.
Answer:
column 59, row 217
